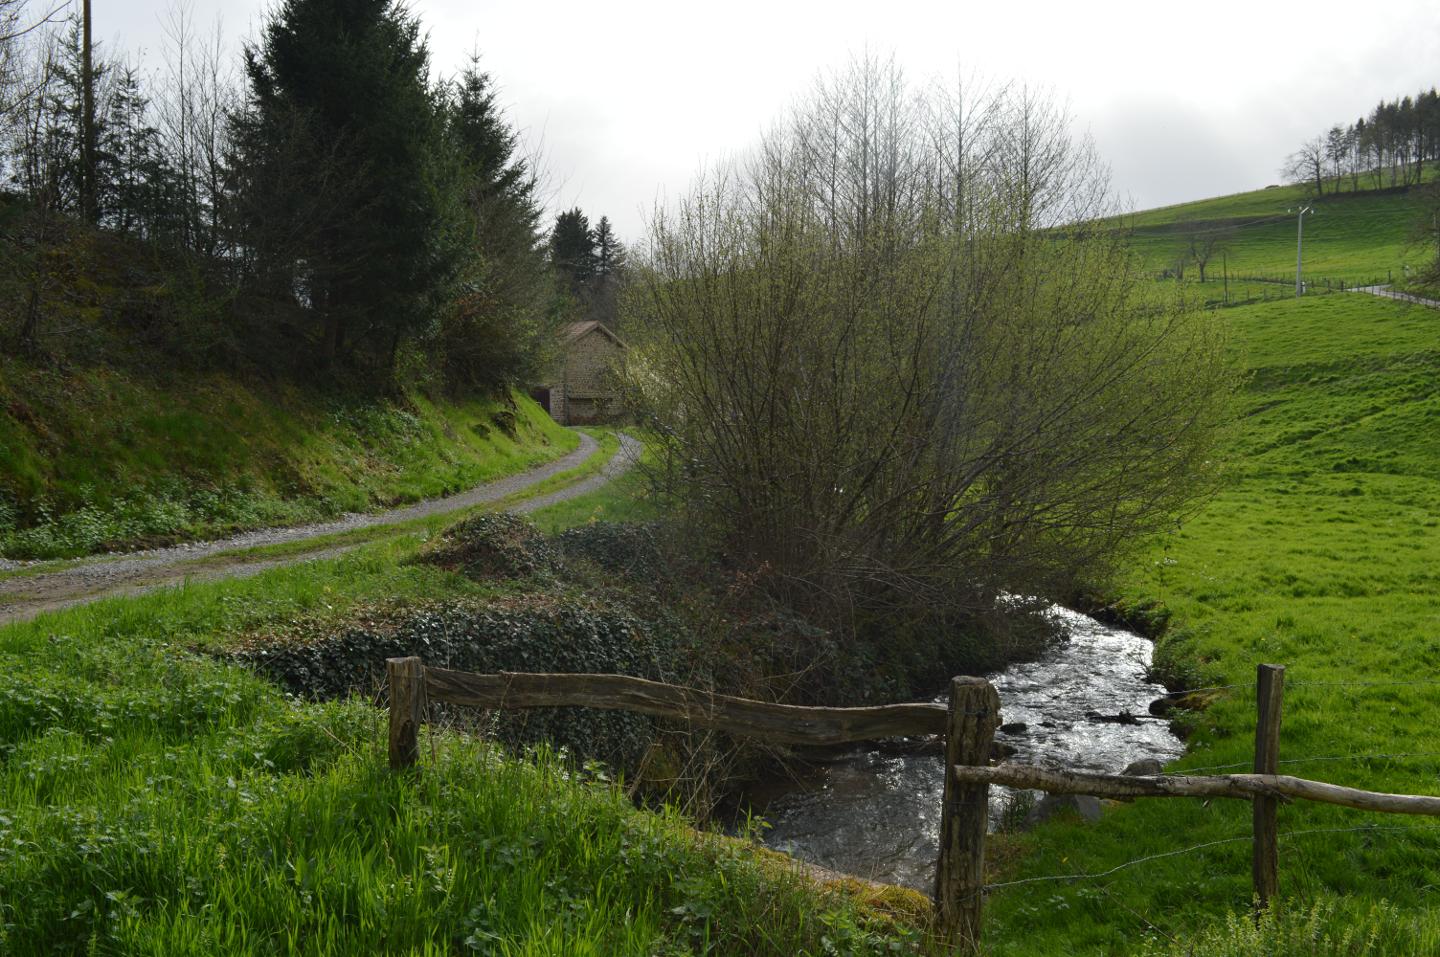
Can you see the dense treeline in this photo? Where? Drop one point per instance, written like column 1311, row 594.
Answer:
column 1390, row 147
column 328, row 204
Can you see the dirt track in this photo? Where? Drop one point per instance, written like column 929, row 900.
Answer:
column 25, row 596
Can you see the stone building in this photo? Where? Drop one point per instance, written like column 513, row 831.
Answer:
column 582, row 387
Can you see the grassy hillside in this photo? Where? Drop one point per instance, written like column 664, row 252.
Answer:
column 154, row 800
column 1322, row 554
column 1355, row 237
column 96, row 457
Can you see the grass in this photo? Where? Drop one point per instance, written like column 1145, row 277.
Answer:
column 1355, row 237
column 156, row 801
column 625, row 499
column 97, row 459
column 1322, row 554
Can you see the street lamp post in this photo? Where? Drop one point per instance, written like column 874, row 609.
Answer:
column 1299, row 246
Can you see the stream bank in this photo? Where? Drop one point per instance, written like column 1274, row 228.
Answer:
column 873, row 810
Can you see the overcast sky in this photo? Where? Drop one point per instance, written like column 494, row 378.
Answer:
column 627, row 100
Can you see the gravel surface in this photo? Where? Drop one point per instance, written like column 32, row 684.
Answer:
column 135, row 572
column 1389, row 293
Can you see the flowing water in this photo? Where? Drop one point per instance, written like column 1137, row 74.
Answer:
column 875, row 813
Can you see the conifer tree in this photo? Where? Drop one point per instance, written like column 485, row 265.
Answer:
column 491, row 334
column 572, row 248
column 341, row 169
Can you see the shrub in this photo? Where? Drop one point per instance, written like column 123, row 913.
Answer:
column 632, row 550
column 565, row 637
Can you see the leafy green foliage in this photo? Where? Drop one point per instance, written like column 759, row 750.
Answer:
column 490, row 545
column 1328, row 927
column 630, row 549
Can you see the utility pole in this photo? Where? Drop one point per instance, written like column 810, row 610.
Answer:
column 1225, row 271
column 87, row 123
column 1299, row 244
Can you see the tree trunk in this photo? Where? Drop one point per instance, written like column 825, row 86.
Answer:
column 87, row 124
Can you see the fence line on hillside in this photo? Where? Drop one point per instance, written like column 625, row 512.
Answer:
column 968, row 725
column 1283, row 286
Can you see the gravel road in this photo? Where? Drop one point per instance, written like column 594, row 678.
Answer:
column 1389, row 293
column 26, row 596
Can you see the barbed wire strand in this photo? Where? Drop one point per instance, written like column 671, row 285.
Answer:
column 1096, row 875
column 1118, row 867
column 1359, row 684
column 1362, row 827
column 1176, row 694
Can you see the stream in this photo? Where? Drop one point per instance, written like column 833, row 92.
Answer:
column 874, row 812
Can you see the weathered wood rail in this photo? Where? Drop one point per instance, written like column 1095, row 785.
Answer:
column 968, row 725
column 790, row 724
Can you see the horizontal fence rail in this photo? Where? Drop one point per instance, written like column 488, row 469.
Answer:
column 968, row 728
column 790, row 724
column 1243, row 786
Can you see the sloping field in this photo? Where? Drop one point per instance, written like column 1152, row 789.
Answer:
column 1322, row 554
column 1355, row 237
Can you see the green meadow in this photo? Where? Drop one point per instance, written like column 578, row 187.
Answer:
column 1322, row 553
column 1354, row 237
column 98, row 459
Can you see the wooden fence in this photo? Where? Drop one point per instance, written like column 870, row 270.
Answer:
column 968, row 723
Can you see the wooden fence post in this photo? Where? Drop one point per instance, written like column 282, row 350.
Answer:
column 406, row 677
column 964, row 813
column 1269, row 688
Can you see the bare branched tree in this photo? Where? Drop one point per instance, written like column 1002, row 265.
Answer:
column 893, row 364
column 200, row 91
column 1306, row 165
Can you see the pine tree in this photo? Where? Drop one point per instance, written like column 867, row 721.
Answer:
column 340, row 168
column 572, row 249
column 609, row 254
column 490, row 336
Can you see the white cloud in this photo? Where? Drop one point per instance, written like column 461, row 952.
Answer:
column 1185, row 101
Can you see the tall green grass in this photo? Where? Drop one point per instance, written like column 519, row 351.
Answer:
column 154, row 800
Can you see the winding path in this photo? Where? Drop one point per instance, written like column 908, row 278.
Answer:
column 1389, row 293
column 24, row 596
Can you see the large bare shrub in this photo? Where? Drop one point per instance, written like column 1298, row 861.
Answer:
column 892, row 363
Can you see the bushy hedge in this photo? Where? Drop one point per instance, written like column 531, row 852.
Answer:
column 630, row 550
column 562, row 635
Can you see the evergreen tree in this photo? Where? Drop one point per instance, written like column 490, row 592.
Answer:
column 340, row 172
column 491, row 335
column 572, row 249
column 609, row 254
column 137, row 192
column 609, row 265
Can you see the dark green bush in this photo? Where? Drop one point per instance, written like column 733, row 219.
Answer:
column 564, row 636
column 629, row 549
